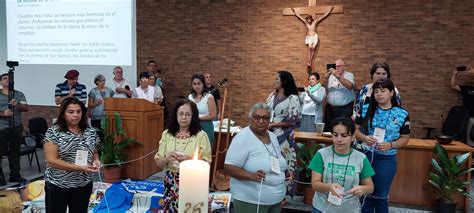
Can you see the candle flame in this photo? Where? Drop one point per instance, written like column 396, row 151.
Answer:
column 196, row 153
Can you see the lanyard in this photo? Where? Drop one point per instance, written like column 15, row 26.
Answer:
column 276, row 153
column 345, row 169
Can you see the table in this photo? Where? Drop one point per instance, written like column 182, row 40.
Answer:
column 413, row 166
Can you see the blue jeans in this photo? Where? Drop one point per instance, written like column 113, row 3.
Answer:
column 385, row 167
column 315, row 210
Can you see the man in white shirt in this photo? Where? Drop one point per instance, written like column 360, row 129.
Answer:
column 119, row 85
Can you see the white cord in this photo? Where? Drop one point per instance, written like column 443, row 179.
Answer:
column 117, row 164
column 259, row 193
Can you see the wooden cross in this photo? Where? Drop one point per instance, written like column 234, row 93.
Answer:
column 313, row 9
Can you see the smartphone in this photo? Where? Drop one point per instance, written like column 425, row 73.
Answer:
column 461, row 68
column 329, row 66
column 300, row 89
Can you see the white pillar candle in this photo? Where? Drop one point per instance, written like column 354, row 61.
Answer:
column 193, row 185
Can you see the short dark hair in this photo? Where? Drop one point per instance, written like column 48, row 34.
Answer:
column 315, row 74
column 347, row 122
column 4, row 74
column 151, row 61
column 288, row 83
column 173, row 125
column 377, row 65
column 143, row 75
column 201, row 78
column 61, row 121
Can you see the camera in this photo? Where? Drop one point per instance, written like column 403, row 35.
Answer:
column 329, row 66
column 461, row 68
column 12, row 64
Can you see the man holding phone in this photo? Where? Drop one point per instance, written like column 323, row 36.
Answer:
column 340, row 93
column 467, row 92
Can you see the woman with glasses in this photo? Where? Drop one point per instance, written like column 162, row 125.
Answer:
column 255, row 164
column 96, row 100
column 285, row 118
column 178, row 143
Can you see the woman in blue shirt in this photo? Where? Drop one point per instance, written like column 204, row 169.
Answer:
column 382, row 128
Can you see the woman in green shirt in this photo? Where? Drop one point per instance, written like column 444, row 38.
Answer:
column 340, row 174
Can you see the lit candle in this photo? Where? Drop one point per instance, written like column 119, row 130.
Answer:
column 193, row 185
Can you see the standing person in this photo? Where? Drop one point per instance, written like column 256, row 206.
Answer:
column 340, row 94
column 205, row 104
column 96, row 100
column 70, row 88
column 11, row 131
column 381, row 129
column 178, row 143
column 378, row 71
column 312, row 99
column 255, row 163
column 311, row 36
column 214, row 92
column 144, row 90
column 159, row 92
column 120, row 85
column 467, row 92
column 70, row 148
column 341, row 171
column 286, row 116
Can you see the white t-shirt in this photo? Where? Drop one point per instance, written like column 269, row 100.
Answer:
column 112, row 84
column 249, row 153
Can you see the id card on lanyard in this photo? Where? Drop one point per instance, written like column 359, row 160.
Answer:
column 275, row 164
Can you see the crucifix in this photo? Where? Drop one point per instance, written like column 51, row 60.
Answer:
column 311, row 39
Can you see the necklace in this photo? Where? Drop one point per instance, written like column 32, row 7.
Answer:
column 186, row 145
column 183, row 134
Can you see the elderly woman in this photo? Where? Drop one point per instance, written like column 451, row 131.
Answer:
column 96, row 100
column 70, row 148
column 205, row 103
column 178, row 143
column 378, row 71
column 255, row 164
column 312, row 99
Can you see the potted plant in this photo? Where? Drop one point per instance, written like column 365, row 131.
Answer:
column 304, row 155
column 111, row 151
column 446, row 178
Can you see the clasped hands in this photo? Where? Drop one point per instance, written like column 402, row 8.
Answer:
column 95, row 167
column 357, row 190
column 371, row 140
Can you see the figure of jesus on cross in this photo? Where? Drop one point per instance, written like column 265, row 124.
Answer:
column 311, row 36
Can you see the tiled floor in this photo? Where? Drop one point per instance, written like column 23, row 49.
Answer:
column 32, row 173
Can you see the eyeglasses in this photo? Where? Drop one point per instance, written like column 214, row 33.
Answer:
column 184, row 115
column 261, row 118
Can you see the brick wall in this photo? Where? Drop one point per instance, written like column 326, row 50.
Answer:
column 247, row 41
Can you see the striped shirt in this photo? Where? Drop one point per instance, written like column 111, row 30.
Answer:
column 62, row 90
column 68, row 144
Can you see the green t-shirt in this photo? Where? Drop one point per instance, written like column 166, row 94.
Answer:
column 345, row 170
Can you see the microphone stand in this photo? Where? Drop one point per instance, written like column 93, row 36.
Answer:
column 11, row 94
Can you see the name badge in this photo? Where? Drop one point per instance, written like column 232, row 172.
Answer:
column 334, row 199
column 379, row 134
column 81, row 157
column 275, row 164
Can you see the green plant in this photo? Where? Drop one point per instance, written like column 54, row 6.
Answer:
column 447, row 173
column 112, row 149
column 305, row 154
